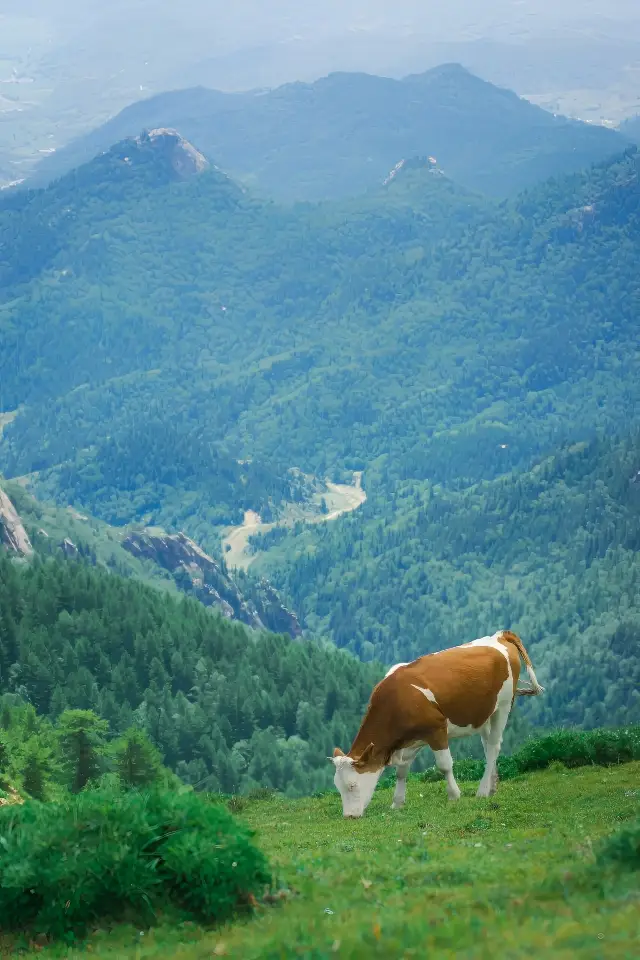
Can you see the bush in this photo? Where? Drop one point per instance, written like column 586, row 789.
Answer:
column 103, row 852
column 623, row 847
column 570, row 748
column 576, row 748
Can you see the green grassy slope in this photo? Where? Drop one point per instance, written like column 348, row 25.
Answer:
column 510, row 877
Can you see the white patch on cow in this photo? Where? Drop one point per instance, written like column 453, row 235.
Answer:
column 356, row 789
column 428, row 693
column 494, row 643
column 444, row 763
column 394, row 668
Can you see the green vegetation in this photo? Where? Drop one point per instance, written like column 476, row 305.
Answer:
column 519, row 870
column 228, row 709
column 92, row 858
column 568, row 748
column 624, row 847
column 553, row 552
column 460, row 353
column 49, row 760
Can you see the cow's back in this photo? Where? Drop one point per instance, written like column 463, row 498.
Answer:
column 463, row 682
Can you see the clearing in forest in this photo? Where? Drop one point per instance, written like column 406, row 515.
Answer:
column 339, row 499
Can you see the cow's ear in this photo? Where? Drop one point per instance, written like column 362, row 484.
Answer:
column 365, row 756
column 338, row 752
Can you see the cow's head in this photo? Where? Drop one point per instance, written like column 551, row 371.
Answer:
column 356, row 779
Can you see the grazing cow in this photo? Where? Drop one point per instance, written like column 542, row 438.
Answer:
column 454, row 693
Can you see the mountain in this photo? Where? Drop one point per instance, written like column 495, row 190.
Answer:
column 68, row 67
column 338, row 136
column 631, row 129
column 169, row 562
column 420, row 334
column 553, row 551
column 229, row 710
column 171, row 307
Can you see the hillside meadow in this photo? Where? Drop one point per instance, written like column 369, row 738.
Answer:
column 525, row 873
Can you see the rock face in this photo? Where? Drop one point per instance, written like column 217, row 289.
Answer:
column 184, row 158
column 13, row 535
column 197, row 573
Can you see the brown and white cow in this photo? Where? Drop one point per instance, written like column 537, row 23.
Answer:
column 454, row 693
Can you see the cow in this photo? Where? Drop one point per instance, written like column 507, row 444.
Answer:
column 453, row 693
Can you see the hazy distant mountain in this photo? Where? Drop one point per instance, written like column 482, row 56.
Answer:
column 631, row 129
column 342, row 134
column 68, row 66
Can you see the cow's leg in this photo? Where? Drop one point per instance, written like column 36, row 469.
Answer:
column 402, row 760
column 492, row 743
column 438, row 740
column 401, row 787
column 444, row 763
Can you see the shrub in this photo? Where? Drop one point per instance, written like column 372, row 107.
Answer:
column 103, row 852
column 623, row 847
column 576, row 748
column 569, row 748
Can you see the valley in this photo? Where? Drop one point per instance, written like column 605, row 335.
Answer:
column 335, row 501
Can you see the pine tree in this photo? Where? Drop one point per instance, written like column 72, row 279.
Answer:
column 33, row 775
column 137, row 761
column 82, row 735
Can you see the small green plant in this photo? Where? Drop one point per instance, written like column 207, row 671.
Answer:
column 623, row 848
column 103, row 853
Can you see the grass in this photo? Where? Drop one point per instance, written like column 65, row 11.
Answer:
column 514, row 876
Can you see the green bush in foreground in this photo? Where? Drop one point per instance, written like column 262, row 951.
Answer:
column 572, row 748
column 623, row 847
column 103, row 853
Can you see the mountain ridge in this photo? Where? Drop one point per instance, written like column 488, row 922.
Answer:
column 419, row 333
column 284, row 142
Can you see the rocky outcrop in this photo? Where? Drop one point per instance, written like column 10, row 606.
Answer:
column 69, row 549
column 197, row 573
column 13, row 535
column 185, row 160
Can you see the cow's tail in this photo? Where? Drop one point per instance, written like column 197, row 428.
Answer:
column 536, row 688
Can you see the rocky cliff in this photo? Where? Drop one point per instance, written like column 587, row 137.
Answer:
column 13, row 535
column 185, row 160
column 196, row 573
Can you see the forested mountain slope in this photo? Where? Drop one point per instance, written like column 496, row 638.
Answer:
column 338, row 136
column 428, row 337
column 161, row 310
column 631, row 129
column 229, row 709
column 184, row 326
column 554, row 552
